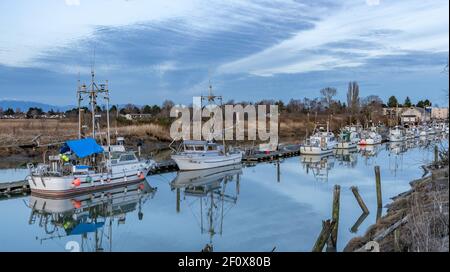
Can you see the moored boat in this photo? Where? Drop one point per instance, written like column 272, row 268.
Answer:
column 321, row 142
column 396, row 134
column 82, row 165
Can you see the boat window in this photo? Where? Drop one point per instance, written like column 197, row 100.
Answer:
column 210, row 147
column 127, row 157
column 189, row 147
column 200, row 147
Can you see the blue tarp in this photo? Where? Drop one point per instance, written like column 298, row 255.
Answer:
column 86, row 227
column 84, row 147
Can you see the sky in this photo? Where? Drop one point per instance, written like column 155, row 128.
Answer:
column 151, row 51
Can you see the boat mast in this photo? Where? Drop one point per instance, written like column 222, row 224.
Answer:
column 93, row 102
column 212, row 98
column 79, row 106
column 93, row 92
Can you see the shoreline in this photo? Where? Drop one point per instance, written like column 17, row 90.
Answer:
column 416, row 220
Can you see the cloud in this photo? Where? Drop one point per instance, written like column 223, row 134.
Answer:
column 422, row 26
column 72, row 2
column 372, row 2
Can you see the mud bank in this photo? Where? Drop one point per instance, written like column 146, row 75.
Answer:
column 416, row 220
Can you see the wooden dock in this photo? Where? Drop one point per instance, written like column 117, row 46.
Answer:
column 8, row 189
column 164, row 167
column 283, row 152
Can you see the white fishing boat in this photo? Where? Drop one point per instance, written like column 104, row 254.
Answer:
column 430, row 130
column 82, row 165
column 321, row 142
column 409, row 133
column 370, row 137
column 196, row 154
column 346, row 140
column 396, row 134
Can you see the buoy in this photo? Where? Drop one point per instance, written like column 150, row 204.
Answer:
column 142, row 176
column 76, row 204
column 76, row 182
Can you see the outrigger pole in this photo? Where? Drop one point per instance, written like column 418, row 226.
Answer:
column 92, row 92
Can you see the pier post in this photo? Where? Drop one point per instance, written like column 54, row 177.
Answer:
column 359, row 199
column 324, row 235
column 335, row 215
column 436, row 154
column 278, row 171
column 378, row 185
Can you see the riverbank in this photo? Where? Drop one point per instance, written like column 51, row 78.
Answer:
column 416, row 220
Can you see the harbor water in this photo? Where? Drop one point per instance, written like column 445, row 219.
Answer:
column 257, row 207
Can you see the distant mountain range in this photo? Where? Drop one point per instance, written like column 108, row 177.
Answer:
column 25, row 105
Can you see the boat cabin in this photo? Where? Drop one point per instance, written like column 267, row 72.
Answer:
column 201, row 146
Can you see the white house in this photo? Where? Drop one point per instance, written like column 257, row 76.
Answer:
column 414, row 115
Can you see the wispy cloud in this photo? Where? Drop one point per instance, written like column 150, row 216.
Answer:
column 72, row 2
column 390, row 29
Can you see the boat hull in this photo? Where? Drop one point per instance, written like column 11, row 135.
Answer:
column 313, row 150
column 77, row 184
column 187, row 163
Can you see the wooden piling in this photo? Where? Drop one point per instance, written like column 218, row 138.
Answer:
column 436, row 154
column 324, row 235
column 359, row 199
column 335, row 214
column 278, row 171
column 378, row 186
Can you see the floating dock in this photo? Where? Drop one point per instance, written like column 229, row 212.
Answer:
column 9, row 189
column 284, row 152
column 164, row 167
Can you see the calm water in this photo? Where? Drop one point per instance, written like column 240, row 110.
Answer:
column 253, row 208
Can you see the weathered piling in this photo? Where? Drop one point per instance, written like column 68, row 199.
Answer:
column 359, row 199
column 378, row 185
column 379, row 213
column 335, row 214
column 436, row 154
column 324, row 235
column 278, row 171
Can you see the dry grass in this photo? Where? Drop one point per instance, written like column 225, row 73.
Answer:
column 427, row 228
column 146, row 130
column 22, row 131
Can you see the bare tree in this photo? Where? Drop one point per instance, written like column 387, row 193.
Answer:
column 328, row 94
column 353, row 97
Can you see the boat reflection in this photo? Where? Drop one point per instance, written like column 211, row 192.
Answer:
column 208, row 189
column 369, row 152
column 88, row 215
column 318, row 165
column 346, row 157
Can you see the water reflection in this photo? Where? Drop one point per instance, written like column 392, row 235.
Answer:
column 89, row 216
column 208, row 194
column 346, row 157
column 319, row 166
column 205, row 205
